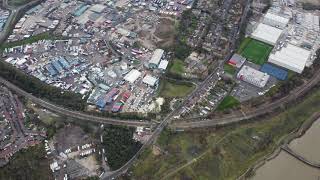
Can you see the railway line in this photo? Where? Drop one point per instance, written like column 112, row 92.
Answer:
column 74, row 114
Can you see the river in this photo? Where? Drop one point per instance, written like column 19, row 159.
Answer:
column 286, row 167
column 308, row 145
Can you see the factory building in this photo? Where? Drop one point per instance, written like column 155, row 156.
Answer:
column 163, row 65
column 267, row 34
column 150, row 80
column 275, row 20
column 116, row 107
column 236, row 60
column 253, row 76
column 156, row 57
column 290, row 57
column 132, row 76
column 110, row 96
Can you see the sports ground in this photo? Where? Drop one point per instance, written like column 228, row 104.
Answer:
column 254, row 50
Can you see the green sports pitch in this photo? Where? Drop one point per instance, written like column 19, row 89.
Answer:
column 254, row 50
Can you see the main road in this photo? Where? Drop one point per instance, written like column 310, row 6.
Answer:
column 212, row 78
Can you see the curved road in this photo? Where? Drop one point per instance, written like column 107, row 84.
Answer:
column 73, row 114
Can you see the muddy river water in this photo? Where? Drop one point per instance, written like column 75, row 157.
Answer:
column 286, row 167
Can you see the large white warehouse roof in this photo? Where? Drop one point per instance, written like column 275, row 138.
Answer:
column 156, row 57
column 132, row 76
column 266, row 33
column 150, row 80
column 290, row 57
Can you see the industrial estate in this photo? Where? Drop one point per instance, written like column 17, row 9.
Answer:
column 139, row 89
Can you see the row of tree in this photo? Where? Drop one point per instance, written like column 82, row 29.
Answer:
column 39, row 89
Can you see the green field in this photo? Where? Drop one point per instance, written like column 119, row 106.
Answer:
column 173, row 89
column 177, row 67
column 255, row 51
column 224, row 153
column 228, row 102
column 229, row 69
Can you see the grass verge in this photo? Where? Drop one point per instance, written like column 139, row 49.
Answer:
column 229, row 69
column 228, row 102
column 171, row 89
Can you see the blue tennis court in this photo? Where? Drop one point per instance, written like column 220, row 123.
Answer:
column 275, row 71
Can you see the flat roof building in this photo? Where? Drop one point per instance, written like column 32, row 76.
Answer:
column 290, row 57
column 253, row 76
column 163, row 64
column 275, row 20
column 97, row 8
column 150, row 80
column 266, row 33
column 132, row 76
column 156, row 57
column 236, row 60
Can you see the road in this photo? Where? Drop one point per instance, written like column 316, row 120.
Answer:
column 212, row 78
column 263, row 109
column 73, row 114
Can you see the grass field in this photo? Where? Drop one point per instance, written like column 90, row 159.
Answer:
column 255, row 51
column 229, row 69
column 225, row 153
column 172, row 89
column 228, row 102
column 177, row 67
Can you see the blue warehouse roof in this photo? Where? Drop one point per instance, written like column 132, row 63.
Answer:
column 51, row 70
column 57, row 66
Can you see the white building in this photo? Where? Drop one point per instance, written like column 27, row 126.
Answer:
column 150, row 80
column 253, row 76
column 266, row 33
column 156, row 57
column 291, row 57
column 275, row 20
column 132, row 76
column 163, row 64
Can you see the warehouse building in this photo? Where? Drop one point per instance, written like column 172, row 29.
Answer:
column 290, row 57
column 163, row 65
column 156, row 57
column 275, row 20
column 267, row 34
column 132, row 76
column 150, row 80
column 253, row 76
column 236, row 60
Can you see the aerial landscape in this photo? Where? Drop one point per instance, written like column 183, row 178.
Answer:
column 159, row 89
